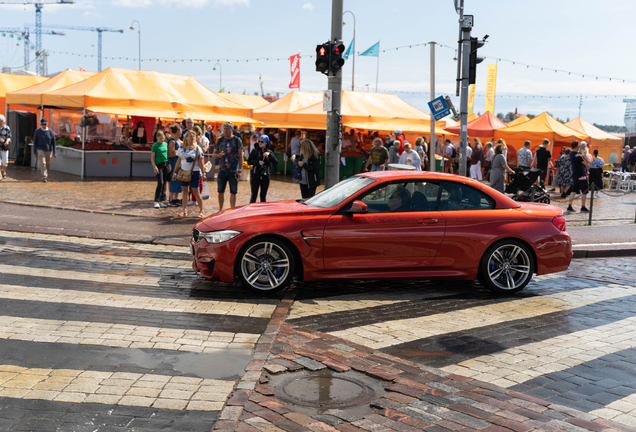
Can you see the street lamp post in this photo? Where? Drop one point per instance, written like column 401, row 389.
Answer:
column 353, row 68
column 220, row 76
column 132, row 27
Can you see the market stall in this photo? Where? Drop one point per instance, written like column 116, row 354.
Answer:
column 12, row 82
column 521, row 119
column 89, row 118
column 248, row 101
column 609, row 146
column 482, row 127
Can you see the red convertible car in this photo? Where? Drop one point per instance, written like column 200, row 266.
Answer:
column 386, row 225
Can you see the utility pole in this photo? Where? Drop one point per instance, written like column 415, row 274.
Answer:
column 432, row 140
column 334, row 129
column 463, row 131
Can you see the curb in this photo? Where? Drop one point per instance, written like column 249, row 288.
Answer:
column 80, row 209
column 604, row 253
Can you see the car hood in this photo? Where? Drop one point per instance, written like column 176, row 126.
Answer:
column 539, row 209
column 254, row 212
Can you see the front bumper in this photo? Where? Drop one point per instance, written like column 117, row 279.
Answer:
column 215, row 261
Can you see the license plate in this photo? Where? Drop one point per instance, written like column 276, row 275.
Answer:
column 192, row 249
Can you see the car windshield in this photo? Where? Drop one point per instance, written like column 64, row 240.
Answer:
column 340, row 192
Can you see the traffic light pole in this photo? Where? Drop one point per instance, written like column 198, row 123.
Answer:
column 463, row 131
column 334, row 129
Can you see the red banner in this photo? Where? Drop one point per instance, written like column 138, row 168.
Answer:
column 295, row 71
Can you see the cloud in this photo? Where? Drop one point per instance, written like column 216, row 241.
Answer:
column 231, row 3
column 196, row 4
column 308, row 6
column 132, row 3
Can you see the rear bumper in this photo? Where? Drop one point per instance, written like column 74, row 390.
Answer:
column 554, row 253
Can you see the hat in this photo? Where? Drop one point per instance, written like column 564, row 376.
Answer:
column 583, row 142
column 43, row 121
column 398, row 132
column 228, row 123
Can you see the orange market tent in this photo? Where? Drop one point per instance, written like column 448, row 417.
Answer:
column 472, row 117
column 483, row 127
column 276, row 114
column 248, row 101
column 32, row 96
column 521, row 119
column 605, row 143
column 147, row 94
column 11, row 82
column 446, row 123
column 538, row 128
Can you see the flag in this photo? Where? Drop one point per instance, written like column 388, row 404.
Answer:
column 471, row 99
column 491, row 82
column 82, row 69
column 348, row 51
column 243, row 90
column 294, row 68
column 373, row 51
column 222, row 90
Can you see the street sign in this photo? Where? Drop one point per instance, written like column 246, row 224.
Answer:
column 439, row 108
column 326, row 100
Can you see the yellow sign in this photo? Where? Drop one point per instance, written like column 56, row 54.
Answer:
column 491, row 83
column 471, row 99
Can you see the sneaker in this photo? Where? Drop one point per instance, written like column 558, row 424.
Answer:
column 162, row 205
column 597, row 196
column 179, row 202
column 191, row 203
column 563, row 195
column 570, row 208
column 584, row 210
column 44, row 180
column 157, row 204
column 173, row 203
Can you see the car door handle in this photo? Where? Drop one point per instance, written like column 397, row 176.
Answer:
column 427, row 221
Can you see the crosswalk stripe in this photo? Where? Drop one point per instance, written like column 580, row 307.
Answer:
column 519, row 364
column 394, row 332
column 118, row 388
column 121, row 335
column 210, row 307
column 98, row 258
column 80, row 276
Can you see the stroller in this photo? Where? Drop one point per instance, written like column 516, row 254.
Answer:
column 524, row 188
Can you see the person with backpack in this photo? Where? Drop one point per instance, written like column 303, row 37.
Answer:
column 631, row 163
column 229, row 150
column 261, row 158
column 309, row 162
column 449, row 156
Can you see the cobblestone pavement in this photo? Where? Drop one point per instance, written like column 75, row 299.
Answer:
column 103, row 335
column 135, row 197
column 98, row 335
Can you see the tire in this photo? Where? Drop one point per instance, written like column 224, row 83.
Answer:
column 265, row 265
column 506, row 267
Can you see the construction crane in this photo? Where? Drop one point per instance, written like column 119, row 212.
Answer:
column 27, row 41
column 38, row 22
column 99, row 31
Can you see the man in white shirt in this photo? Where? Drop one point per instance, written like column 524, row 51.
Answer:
column 524, row 156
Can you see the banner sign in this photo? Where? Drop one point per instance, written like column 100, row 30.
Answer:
column 295, row 71
column 471, row 99
column 491, row 83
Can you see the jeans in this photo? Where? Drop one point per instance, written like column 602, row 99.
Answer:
column 162, row 178
column 542, row 176
column 255, row 183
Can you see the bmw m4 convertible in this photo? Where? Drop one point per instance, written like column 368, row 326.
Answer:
column 386, row 225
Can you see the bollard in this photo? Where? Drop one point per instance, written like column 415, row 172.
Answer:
column 589, row 222
column 532, row 193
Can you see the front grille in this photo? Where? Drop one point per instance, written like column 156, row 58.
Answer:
column 210, row 266
column 195, row 235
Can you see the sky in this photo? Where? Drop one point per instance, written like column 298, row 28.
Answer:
column 586, row 37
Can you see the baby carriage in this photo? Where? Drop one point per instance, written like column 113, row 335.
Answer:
column 524, row 188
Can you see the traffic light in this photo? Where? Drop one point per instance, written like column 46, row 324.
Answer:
column 322, row 58
column 336, row 61
column 474, row 59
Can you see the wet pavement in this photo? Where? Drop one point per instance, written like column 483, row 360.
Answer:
column 104, row 335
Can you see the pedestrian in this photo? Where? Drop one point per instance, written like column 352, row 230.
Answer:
column 161, row 167
column 498, row 169
column 158, row 127
column 410, row 157
column 476, row 160
column 44, row 145
column 563, row 177
column 229, row 151
column 421, row 148
column 355, row 141
column 490, row 153
column 309, row 162
column 346, row 142
column 625, row 161
column 139, row 134
column 190, row 159
column 174, row 144
column 524, row 156
column 5, row 140
column 294, row 143
column 596, row 172
column 579, row 177
column 394, row 152
column 543, row 161
column 449, row 154
column 388, row 141
column 631, row 163
column 262, row 159
column 188, row 124
column 399, row 137
column 202, row 142
column 469, row 154
column 378, row 156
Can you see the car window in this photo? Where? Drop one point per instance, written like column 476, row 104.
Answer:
column 457, row 196
column 408, row 196
column 340, row 192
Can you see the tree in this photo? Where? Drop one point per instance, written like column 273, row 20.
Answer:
column 530, row 116
column 510, row 116
column 500, row 116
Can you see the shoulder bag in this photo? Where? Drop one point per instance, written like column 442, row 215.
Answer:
column 186, row 176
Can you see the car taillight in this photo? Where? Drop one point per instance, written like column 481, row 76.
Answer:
column 559, row 222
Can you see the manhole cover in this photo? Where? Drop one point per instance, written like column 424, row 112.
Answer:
column 324, row 390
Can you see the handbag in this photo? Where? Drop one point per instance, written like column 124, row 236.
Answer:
column 186, row 176
column 297, row 170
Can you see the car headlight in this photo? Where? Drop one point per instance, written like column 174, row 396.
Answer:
column 218, row 236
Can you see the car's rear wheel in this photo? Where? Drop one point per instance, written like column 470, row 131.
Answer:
column 266, row 265
column 506, row 267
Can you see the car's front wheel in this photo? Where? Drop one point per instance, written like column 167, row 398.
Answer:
column 506, row 267
column 266, row 265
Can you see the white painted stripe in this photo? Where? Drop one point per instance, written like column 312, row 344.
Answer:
column 621, row 411
column 132, row 389
column 80, row 276
column 121, row 335
column 394, row 332
column 520, row 364
column 605, row 244
column 211, row 307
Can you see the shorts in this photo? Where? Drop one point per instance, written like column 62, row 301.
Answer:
column 194, row 181
column 225, row 176
column 5, row 157
column 580, row 186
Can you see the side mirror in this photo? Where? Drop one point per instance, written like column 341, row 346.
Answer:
column 358, row 207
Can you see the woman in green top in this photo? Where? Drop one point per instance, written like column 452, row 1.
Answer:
column 159, row 161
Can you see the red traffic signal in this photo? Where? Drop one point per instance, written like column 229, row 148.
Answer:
column 322, row 58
